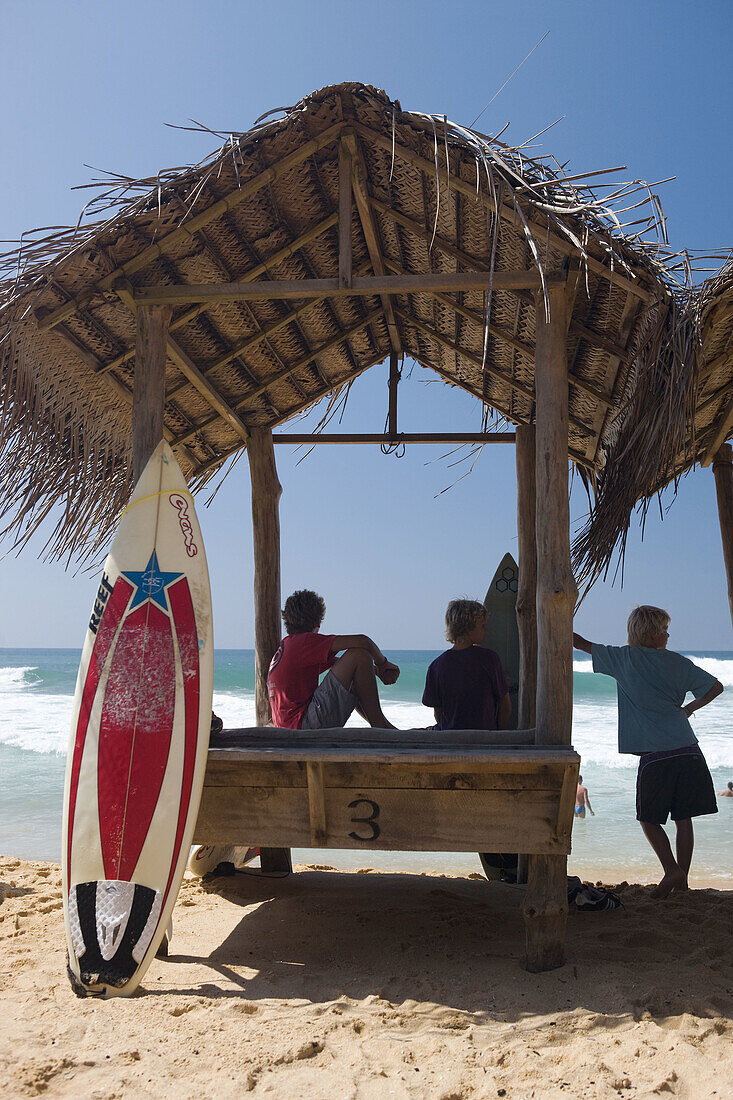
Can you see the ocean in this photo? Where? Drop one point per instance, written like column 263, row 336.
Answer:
column 37, row 686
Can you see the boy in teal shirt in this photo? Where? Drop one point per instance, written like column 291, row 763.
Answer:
column 653, row 723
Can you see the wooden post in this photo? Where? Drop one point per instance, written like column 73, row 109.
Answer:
column 148, row 397
column 266, row 490
column 723, row 471
column 527, row 591
column 545, row 903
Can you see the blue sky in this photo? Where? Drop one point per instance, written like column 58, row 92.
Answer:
column 643, row 84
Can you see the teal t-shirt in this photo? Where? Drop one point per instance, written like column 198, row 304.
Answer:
column 651, row 685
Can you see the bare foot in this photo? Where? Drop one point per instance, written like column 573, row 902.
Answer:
column 673, row 880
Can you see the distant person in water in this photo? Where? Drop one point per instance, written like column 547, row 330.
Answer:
column 466, row 685
column 727, row 793
column 582, row 800
column 654, row 724
column 297, row 700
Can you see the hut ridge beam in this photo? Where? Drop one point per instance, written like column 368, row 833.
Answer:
column 357, row 438
column 193, row 224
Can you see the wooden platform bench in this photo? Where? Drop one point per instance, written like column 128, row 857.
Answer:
column 405, row 790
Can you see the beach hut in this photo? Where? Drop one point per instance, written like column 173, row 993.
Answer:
column 213, row 304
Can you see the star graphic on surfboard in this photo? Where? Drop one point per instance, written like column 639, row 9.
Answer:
column 151, row 583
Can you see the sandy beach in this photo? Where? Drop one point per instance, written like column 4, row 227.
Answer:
column 328, row 984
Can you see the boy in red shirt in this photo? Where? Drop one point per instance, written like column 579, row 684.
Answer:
column 297, row 700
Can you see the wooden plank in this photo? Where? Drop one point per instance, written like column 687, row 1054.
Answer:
column 506, row 212
column 384, row 820
column 500, row 741
column 317, row 805
column 191, row 226
column 361, row 286
column 446, row 776
column 266, row 491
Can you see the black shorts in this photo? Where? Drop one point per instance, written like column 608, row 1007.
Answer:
column 678, row 784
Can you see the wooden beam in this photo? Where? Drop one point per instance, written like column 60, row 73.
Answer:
column 344, row 216
column 266, row 491
column 189, row 228
column 148, row 399
column 556, row 589
column 318, row 288
column 527, row 583
column 506, row 212
column 472, row 263
column 316, row 804
column 369, row 228
column 311, row 439
column 723, row 471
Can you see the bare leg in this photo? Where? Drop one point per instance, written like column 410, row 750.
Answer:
column 685, row 845
column 674, row 876
column 355, row 670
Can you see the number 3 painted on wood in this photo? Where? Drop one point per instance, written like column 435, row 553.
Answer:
column 371, row 821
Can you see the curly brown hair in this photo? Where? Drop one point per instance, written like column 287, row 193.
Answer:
column 303, row 611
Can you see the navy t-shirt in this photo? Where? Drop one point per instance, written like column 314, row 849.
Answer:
column 466, row 686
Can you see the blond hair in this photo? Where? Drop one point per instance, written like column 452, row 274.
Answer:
column 461, row 616
column 644, row 621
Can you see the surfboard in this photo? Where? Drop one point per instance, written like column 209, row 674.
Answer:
column 502, row 633
column 205, row 858
column 139, row 737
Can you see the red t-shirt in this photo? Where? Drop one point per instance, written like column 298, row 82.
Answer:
column 293, row 675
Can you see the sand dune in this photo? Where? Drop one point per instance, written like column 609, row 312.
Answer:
column 360, row 985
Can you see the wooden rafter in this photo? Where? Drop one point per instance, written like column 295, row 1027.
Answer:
column 311, row 400
column 509, row 338
column 193, row 224
column 369, row 229
column 314, row 438
column 197, row 379
column 725, row 426
column 476, row 361
column 506, row 212
column 597, row 339
column 281, row 375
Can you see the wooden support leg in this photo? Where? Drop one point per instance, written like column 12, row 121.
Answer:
column 276, row 859
column 545, row 913
column 527, row 590
column 723, row 471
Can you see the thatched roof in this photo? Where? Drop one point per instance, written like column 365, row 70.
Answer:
column 430, row 197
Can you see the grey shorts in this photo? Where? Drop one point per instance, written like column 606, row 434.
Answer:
column 332, row 705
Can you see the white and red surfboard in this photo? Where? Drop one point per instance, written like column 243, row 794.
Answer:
column 139, row 737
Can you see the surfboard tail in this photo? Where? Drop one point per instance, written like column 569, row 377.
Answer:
column 112, row 925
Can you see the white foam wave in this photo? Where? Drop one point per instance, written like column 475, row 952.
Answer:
column 15, row 679
column 721, row 670
column 35, row 722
